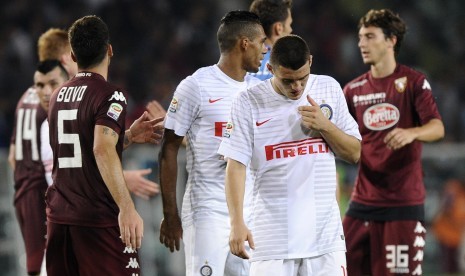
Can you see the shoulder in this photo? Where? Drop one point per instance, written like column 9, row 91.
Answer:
column 324, row 82
column 357, row 82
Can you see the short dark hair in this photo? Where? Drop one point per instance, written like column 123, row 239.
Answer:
column 89, row 38
column 234, row 25
column 388, row 21
column 49, row 65
column 270, row 12
column 290, row 51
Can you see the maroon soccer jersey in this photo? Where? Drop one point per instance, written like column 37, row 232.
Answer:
column 386, row 177
column 29, row 171
column 79, row 195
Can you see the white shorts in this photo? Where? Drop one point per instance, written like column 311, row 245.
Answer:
column 206, row 245
column 333, row 264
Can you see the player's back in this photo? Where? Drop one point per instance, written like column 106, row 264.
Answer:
column 29, row 171
column 78, row 194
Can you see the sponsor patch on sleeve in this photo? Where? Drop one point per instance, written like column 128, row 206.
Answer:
column 114, row 111
column 228, row 130
column 173, row 105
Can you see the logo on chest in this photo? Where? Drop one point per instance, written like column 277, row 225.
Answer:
column 381, row 116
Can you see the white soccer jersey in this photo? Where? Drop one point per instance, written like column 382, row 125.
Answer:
column 295, row 213
column 46, row 153
column 199, row 110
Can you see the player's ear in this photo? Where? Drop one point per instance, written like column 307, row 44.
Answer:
column 244, row 42
column 270, row 68
column 73, row 56
column 110, row 50
column 310, row 60
column 278, row 28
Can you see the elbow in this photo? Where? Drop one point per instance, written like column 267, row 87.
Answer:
column 354, row 156
column 99, row 152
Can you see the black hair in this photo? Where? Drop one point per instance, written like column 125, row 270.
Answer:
column 270, row 12
column 290, row 51
column 234, row 25
column 89, row 38
column 49, row 65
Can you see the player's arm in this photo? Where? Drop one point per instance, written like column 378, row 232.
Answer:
column 139, row 185
column 429, row 132
column 171, row 228
column 144, row 130
column 109, row 165
column 11, row 156
column 345, row 146
column 235, row 186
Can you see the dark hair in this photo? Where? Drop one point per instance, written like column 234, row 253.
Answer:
column 234, row 25
column 388, row 21
column 290, row 51
column 49, row 65
column 89, row 38
column 270, row 12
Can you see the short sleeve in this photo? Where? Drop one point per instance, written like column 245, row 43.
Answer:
column 112, row 111
column 344, row 120
column 425, row 105
column 237, row 142
column 184, row 107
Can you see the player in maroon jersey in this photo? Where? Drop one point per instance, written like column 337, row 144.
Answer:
column 30, row 183
column 54, row 44
column 396, row 112
column 93, row 227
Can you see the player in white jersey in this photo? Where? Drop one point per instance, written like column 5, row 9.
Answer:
column 290, row 129
column 199, row 110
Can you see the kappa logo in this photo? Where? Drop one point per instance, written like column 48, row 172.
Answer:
column 118, row 96
column 257, row 123
column 214, row 100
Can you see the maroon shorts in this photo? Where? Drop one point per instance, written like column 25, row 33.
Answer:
column 384, row 248
column 30, row 212
column 78, row 250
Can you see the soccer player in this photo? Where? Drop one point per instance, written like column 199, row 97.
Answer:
column 29, row 174
column 396, row 111
column 54, row 44
column 199, row 111
column 93, row 227
column 276, row 19
column 290, row 129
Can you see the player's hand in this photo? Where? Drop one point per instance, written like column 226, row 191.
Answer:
column 131, row 227
column 155, row 110
column 139, row 185
column 171, row 232
column 239, row 234
column 144, row 130
column 312, row 116
column 399, row 137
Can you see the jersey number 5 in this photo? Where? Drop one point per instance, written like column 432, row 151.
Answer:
column 69, row 138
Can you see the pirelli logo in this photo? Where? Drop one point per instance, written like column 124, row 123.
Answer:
column 296, row 148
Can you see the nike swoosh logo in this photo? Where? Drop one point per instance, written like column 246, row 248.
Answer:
column 257, row 123
column 215, row 100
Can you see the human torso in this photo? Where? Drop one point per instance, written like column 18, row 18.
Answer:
column 199, row 110
column 29, row 171
column 401, row 100
column 79, row 195
column 294, row 170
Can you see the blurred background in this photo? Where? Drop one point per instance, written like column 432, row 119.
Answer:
column 157, row 43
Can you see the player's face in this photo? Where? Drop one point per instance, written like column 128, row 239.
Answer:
column 255, row 51
column 290, row 83
column 373, row 44
column 45, row 84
